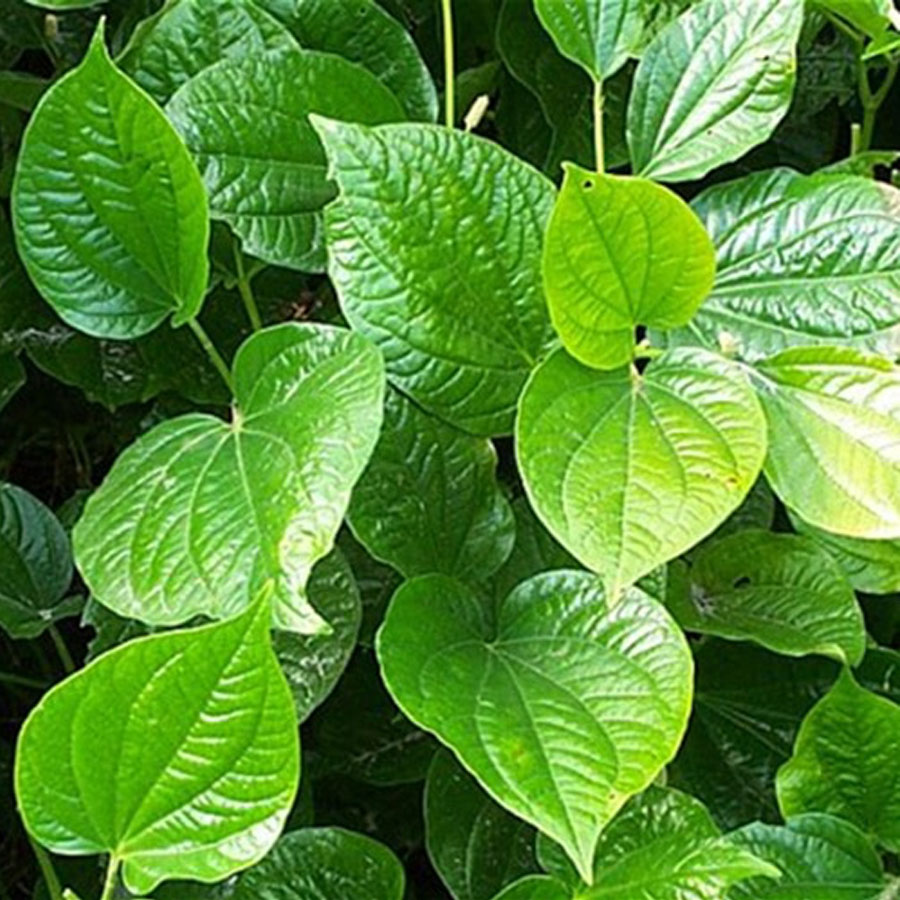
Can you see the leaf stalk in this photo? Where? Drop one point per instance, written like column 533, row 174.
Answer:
column 449, row 64
column 210, row 349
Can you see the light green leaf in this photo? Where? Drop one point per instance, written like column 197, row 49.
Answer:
column 176, row 753
column 429, row 500
column 801, row 260
column 780, row 590
column 198, row 515
column 476, row 846
column 535, row 887
column 834, row 432
column 713, row 85
column 621, row 252
column 663, row 845
column 845, row 762
column 872, row 567
column 628, row 471
column 562, row 712
column 362, row 32
column 109, row 210
column 35, row 565
column 434, row 247
column 246, row 123
column 820, row 858
column 599, row 35
column 324, row 864
column 187, row 36
column 871, row 17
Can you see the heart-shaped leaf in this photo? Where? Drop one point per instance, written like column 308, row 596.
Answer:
column 629, row 470
column 562, row 711
column 442, row 272
column 621, row 252
column 801, row 260
column 714, row 84
column 35, row 565
column 109, row 210
column 429, row 500
column 780, row 590
column 130, row 754
column 834, row 428
column 197, row 515
column 246, row 121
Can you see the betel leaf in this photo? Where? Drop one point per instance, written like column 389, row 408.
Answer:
column 429, row 499
column 834, row 438
column 663, row 845
column 475, row 845
column 871, row 17
column 621, row 252
column 246, row 123
column 872, row 567
column 434, row 247
column 324, row 864
column 35, row 565
column 187, row 36
column 820, row 857
column 562, row 712
column 198, row 515
column 362, row 32
column 714, row 84
column 535, row 887
column 599, row 35
column 801, row 260
column 128, row 755
column 109, row 210
column 780, row 590
column 845, row 762
column 629, row 470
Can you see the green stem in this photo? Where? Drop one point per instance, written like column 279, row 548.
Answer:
column 54, row 888
column 449, row 65
column 214, row 356
column 872, row 100
column 109, row 885
column 62, row 650
column 598, row 127
column 245, row 290
column 22, row 681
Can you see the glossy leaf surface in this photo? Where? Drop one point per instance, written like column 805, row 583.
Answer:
column 224, row 751
column 713, row 84
column 461, row 336
column 628, row 471
column 560, row 746
column 198, row 515
column 100, row 159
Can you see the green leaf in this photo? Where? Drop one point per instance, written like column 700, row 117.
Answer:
column 621, row 252
column 780, row 590
column 35, row 565
column 713, row 85
column 834, row 438
column 198, row 515
column 434, row 248
column 12, row 377
column 564, row 711
column 324, row 864
column 535, row 887
column 869, row 16
column 845, row 762
column 187, row 36
column 801, row 260
column 476, row 846
column 599, row 35
column 663, row 845
column 429, row 500
column 176, row 753
column 109, row 210
column 628, row 471
column 820, row 858
column 362, row 32
column 872, row 567
column 246, row 123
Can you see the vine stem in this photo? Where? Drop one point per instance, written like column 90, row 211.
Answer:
column 872, row 100
column 109, row 884
column 54, row 888
column 214, row 356
column 599, row 148
column 245, row 290
column 62, row 650
column 449, row 65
